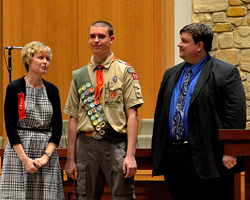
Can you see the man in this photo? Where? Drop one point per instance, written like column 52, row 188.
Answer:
column 195, row 100
column 103, row 126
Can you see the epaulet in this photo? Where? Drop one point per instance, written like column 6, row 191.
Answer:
column 125, row 63
column 129, row 69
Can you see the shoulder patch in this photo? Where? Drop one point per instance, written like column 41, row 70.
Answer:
column 135, row 77
column 130, row 70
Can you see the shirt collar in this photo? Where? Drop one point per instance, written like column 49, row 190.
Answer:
column 196, row 68
column 106, row 63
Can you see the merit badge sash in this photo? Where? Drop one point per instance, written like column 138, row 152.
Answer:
column 94, row 108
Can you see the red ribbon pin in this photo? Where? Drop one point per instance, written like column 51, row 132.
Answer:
column 21, row 106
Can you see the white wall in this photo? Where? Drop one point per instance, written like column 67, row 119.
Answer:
column 183, row 16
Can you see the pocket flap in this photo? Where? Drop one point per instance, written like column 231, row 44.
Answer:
column 81, row 166
column 114, row 86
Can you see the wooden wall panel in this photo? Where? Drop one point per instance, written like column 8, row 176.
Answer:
column 1, row 74
column 133, row 24
column 12, row 37
column 168, row 22
column 54, row 23
column 63, row 25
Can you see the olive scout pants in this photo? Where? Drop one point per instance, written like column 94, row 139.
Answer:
column 98, row 162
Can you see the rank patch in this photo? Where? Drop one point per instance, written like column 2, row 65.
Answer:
column 113, row 94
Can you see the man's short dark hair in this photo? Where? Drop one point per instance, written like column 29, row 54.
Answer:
column 200, row 32
column 104, row 24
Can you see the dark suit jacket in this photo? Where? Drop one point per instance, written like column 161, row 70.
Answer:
column 218, row 102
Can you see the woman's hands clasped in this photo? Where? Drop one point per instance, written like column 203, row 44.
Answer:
column 32, row 166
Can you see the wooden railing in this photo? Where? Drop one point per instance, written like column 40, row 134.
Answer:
column 237, row 142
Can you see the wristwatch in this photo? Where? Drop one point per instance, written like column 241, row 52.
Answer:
column 48, row 154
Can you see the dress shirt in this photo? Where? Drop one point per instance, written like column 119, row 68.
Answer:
column 196, row 70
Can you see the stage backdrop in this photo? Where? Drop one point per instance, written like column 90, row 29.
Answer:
column 143, row 37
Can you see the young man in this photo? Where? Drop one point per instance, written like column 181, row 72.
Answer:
column 103, row 126
column 195, row 100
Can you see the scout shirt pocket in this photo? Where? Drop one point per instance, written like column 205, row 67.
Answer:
column 114, row 106
column 113, row 94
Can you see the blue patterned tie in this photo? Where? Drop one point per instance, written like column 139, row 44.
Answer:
column 177, row 124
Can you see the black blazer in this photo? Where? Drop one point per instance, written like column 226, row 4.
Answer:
column 218, row 102
column 11, row 110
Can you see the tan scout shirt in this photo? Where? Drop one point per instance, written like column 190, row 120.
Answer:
column 121, row 90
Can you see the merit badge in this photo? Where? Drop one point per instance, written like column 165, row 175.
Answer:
column 88, row 84
column 85, row 101
column 89, row 112
column 84, row 87
column 102, row 132
column 80, row 91
column 115, row 78
column 112, row 94
column 93, row 117
column 82, row 96
column 100, row 119
column 89, row 99
column 92, row 105
column 94, row 110
column 97, row 115
column 95, row 122
column 87, row 107
column 86, row 92
column 102, row 124
column 98, row 128
column 99, row 107
column 91, row 90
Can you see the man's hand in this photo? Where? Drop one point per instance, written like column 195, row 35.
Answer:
column 129, row 167
column 71, row 169
column 229, row 161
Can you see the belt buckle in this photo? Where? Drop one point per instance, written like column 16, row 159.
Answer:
column 180, row 142
column 96, row 135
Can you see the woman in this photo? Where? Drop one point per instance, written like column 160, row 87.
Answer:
column 33, row 121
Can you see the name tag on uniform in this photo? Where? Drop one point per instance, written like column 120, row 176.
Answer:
column 112, row 105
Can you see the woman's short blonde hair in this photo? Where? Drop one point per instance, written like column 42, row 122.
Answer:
column 32, row 48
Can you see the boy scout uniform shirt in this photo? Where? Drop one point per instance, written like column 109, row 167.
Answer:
column 121, row 90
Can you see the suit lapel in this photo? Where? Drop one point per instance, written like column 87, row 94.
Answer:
column 205, row 73
column 169, row 87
